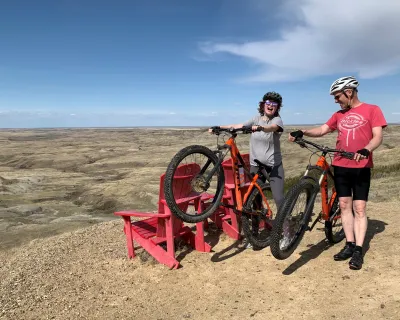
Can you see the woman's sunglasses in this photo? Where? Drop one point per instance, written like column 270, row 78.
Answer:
column 269, row 103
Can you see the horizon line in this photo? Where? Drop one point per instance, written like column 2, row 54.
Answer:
column 151, row 127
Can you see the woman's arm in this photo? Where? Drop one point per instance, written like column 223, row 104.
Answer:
column 272, row 128
column 234, row 126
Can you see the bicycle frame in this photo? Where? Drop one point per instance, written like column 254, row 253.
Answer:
column 323, row 166
column 236, row 158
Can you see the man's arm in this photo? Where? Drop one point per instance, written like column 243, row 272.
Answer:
column 317, row 132
column 376, row 141
column 314, row 132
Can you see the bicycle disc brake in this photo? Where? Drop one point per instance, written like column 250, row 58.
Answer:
column 199, row 184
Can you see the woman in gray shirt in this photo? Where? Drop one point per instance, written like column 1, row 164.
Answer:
column 265, row 144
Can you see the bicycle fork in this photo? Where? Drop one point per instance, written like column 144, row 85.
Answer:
column 309, row 210
column 315, row 193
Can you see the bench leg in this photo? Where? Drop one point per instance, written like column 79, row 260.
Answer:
column 196, row 240
column 129, row 237
column 170, row 236
column 157, row 252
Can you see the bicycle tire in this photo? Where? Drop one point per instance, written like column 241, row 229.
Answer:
column 330, row 235
column 286, row 208
column 247, row 227
column 168, row 184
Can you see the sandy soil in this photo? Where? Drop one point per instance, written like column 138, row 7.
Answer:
column 63, row 253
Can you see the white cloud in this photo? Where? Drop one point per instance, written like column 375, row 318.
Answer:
column 330, row 37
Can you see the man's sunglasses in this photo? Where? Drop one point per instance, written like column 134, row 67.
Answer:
column 269, row 103
column 336, row 97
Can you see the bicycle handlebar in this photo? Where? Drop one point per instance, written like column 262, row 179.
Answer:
column 244, row 129
column 345, row 154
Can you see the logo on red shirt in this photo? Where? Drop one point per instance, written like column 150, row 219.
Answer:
column 351, row 123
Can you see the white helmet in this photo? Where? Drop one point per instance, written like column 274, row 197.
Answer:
column 343, row 83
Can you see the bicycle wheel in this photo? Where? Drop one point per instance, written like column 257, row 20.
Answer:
column 186, row 176
column 256, row 225
column 292, row 219
column 333, row 227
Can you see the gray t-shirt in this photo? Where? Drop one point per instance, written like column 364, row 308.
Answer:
column 265, row 146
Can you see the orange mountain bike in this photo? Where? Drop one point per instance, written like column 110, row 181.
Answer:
column 208, row 181
column 294, row 216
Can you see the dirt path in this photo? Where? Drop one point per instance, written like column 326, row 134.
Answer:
column 85, row 275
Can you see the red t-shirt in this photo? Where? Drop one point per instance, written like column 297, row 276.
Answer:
column 354, row 128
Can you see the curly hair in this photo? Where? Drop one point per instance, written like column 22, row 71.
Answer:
column 272, row 96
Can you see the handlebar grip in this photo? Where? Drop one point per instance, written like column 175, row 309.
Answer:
column 247, row 129
column 348, row 155
column 216, row 130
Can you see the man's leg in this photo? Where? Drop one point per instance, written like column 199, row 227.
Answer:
column 343, row 184
column 346, row 208
column 360, row 221
column 360, row 229
column 361, row 191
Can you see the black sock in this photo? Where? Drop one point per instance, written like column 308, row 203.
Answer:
column 359, row 249
column 351, row 244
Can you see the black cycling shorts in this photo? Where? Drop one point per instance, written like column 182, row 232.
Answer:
column 352, row 182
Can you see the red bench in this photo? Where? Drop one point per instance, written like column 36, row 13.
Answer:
column 224, row 217
column 158, row 231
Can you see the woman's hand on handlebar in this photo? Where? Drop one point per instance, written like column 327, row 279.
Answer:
column 213, row 129
column 256, row 128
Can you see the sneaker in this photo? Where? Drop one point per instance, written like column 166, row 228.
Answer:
column 345, row 253
column 249, row 246
column 246, row 244
column 356, row 261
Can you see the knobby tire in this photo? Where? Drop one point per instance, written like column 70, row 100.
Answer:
column 330, row 235
column 246, row 223
column 168, row 184
column 286, row 208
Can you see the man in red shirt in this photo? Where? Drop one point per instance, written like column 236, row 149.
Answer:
column 359, row 127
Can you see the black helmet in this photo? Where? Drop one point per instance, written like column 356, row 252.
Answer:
column 272, row 95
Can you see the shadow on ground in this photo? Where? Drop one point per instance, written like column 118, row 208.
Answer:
column 374, row 227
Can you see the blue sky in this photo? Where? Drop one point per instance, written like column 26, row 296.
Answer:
column 71, row 63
